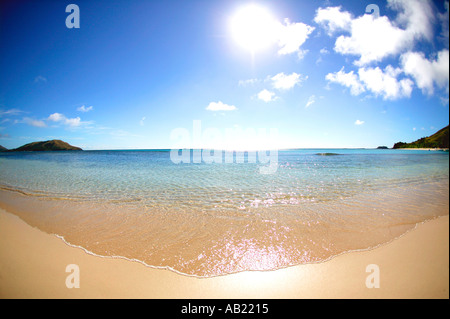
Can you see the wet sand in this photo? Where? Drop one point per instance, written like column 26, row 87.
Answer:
column 33, row 265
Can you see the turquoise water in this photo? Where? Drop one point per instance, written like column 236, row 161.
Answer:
column 151, row 178
column 231, row 216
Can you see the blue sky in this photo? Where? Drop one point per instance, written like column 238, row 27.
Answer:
column 319, row 73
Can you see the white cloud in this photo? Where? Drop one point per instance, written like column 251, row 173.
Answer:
column 282, row 81
column 72, row 122
column 349, row 80
column 141, row 122
column 333, row 19
column 56, row 117
column 311, row 101
column 219, row 106
column 415, row 16
column 373, row 39
column 406, row 86
column 427, row 73
column 266, row 96
column 380, row 82
column 358, row 122
column 85, row 109
column 292, row 36
column 385, row 83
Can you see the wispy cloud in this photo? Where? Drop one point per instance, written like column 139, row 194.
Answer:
column 220, row 106
column 11, row 112
column 33, row 122
column 39, row 79
column 444, row 19
column 85, row 109
column 359, row 122
column 248, row 82
column 122, row 134
column 141, row 122
column 311, row 101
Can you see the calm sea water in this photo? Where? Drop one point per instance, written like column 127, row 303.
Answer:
column 218, row 218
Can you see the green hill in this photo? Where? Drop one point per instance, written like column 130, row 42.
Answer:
column 3, row 148
column 53, row 145
column 438, row 140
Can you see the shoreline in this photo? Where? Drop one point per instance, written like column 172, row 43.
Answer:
column 33, row 264
column 422, row 149
column 74, row 224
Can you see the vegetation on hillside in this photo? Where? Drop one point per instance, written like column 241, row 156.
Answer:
column 438, row 140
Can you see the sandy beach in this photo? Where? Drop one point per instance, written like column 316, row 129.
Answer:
column 33, row 265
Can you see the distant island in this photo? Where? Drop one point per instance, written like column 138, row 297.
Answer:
column 2, row 149
column 53, row 145
column 438, row 140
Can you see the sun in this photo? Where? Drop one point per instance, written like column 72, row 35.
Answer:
column 253, row 28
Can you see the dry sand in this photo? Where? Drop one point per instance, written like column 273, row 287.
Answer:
column 33, row 265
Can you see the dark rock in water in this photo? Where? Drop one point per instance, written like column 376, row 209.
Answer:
column 382, row 147
column 327, row 154
column 53, row 145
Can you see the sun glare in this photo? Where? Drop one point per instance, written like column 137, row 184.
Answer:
column 253, row 28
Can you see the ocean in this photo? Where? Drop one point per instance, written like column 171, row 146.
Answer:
column 210, row 219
